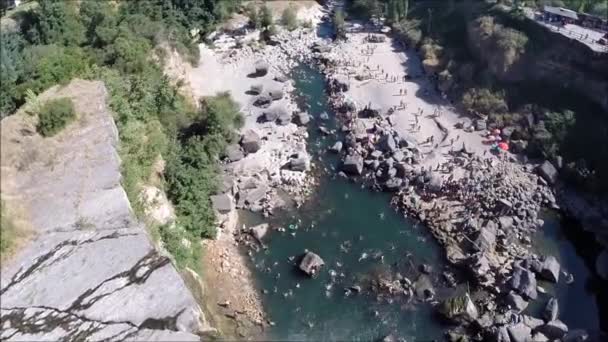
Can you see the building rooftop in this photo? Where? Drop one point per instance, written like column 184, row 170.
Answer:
column 561, row 12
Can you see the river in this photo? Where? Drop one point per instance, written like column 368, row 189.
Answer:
column 340, row 212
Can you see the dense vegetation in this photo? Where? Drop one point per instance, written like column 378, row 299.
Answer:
column 8, row 232
column 54, row 115
column 115, row 42
column 478, row 53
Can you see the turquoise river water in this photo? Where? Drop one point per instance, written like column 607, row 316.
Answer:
column 340, row 212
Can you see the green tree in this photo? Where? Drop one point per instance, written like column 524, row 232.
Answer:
column 289, row 18
column 266, row 19
column 339, row 25
column 11, row 69
column 54, row 22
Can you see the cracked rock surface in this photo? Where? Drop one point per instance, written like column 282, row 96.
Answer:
column 90, row 272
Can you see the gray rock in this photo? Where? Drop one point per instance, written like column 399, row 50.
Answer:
column 501, row 334
column 275, row 94
column 423, row 287
column 577, row 335
column 262, row 101
column 481, row 125
column 539, row 337
column 486, row 240
column 532, row 322
column 519, row 332
column 337, row 147
column 393, row 184
column 284, row 119
column 506, row 223
column 459, row 310
column 548, row 172
column 524, row 282
column 516, row 302
column 256, row 89
column 550, row 269
column 261, row 68
column 222, row 203
column 551, row 310
column 259, row 231
column 376, row 154
column 281, row 78
column 324, row 116
column 353, row 164
column 387, row 143
column 300, row 163
column 311, row 264
column 553, row 330
column 301, row 118
column 234, row 153
column 435, row 182
column 251, row 141
column 601, row 264
column 272, row 114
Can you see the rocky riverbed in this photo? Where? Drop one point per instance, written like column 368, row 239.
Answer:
column 482, row 206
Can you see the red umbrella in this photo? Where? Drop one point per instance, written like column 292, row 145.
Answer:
column 503, row 146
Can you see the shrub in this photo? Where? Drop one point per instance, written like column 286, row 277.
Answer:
column 484, row 101
column 184, row 247
column 339, row 25
column 289, row 18
column 54, row 116
column 255, row 19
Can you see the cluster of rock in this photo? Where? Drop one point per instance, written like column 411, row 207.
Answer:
column 483, row 218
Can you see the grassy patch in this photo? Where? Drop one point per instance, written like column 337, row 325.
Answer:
column 54, row 116
column 183, row 246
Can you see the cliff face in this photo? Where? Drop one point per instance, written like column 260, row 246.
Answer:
column 90, row 271
column 549, row 58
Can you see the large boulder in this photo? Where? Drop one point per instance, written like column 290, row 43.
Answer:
column 524, row 282
column 272, row 114
column 222, row 203
column 275, row 94
column 516, row 302
column 261, row 68
column 262, row 101
column 548, row 172
column 554, row 330
column 486, row 240
column 337, row 147
column 352, row 164
column 387, row 143
column 234, row 153
column 532, row 322
column 301, row 118
column 300, row 163
column 311, row 264
column 259, row 231
column 550, row 269
column 460, row 309
column 551, row 310
column 251, row 141
column 256, row 89
column 519, row 332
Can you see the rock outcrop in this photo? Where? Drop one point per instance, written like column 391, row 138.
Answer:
column 91, row 271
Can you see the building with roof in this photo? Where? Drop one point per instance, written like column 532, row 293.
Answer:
column 559, row 14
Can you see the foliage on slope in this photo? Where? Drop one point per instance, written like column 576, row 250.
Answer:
column 113, row 41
